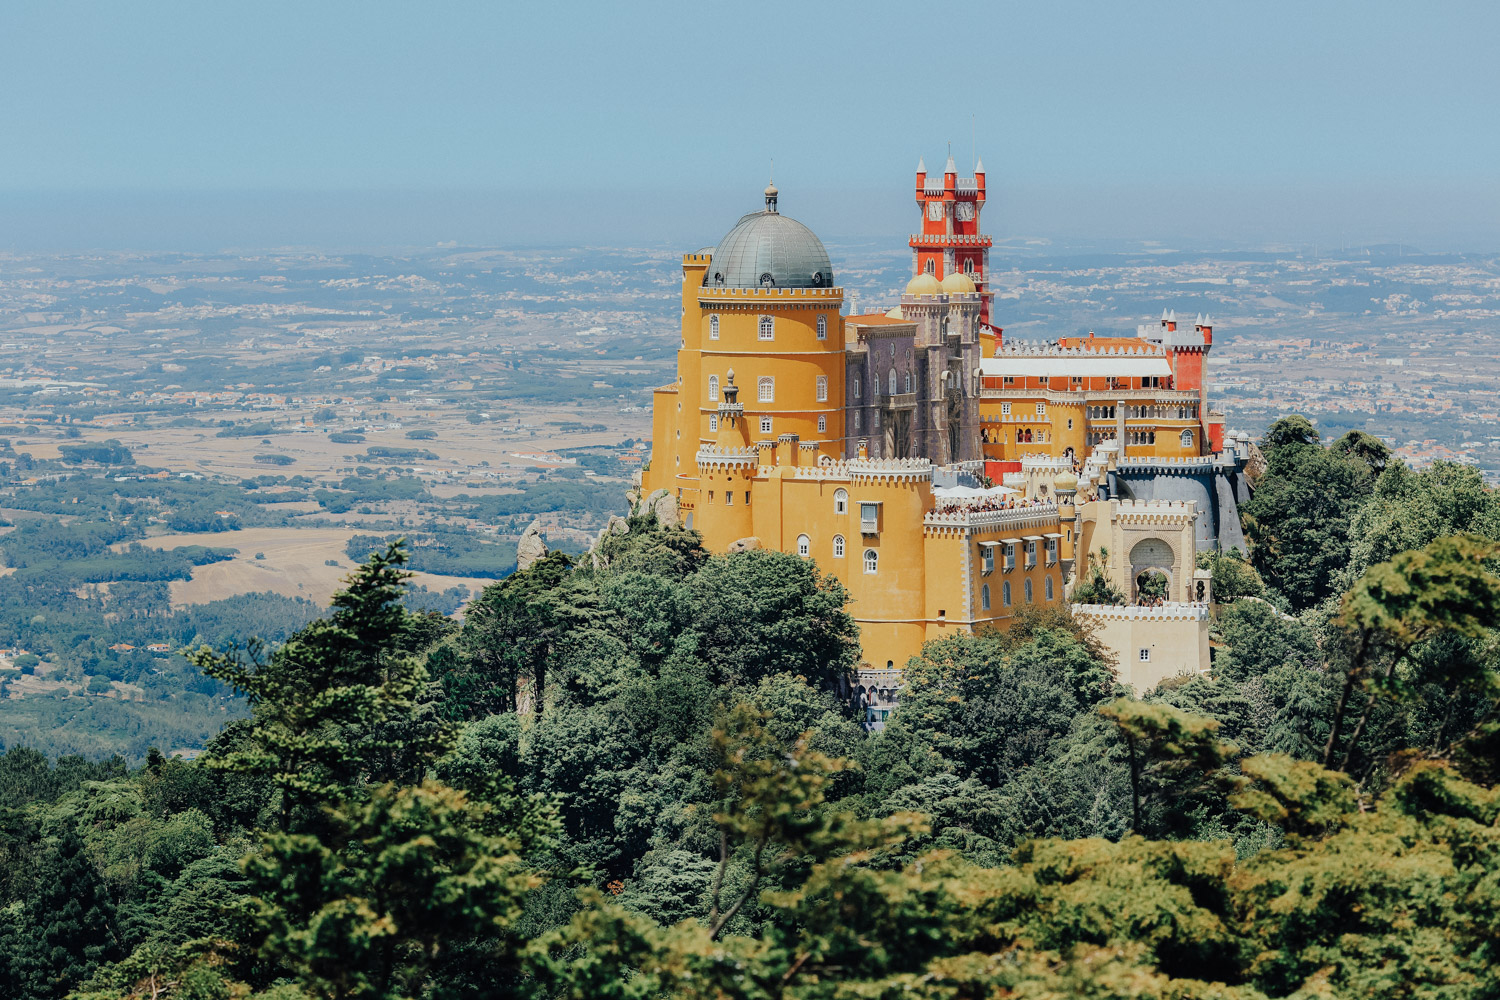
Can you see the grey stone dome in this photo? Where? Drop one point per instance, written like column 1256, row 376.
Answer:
column 767, row 248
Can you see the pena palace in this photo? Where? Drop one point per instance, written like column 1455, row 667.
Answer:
column 948, row 477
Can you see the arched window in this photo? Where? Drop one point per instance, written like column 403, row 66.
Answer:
column 907, row 383
column 713, row 328
column 1049, row 588
column 856, row 388
column 984, row 597
column 765, row 389
column 872, row 560
column 823, row 424
column 892, row 382
column 804, row 546
column 841, row 501
column 1187, row 439
column 1005, row 594
column 767, row 328
column 931, row 266
column 822, row 388
column 822, row 327
column 713, row 421
column 1027, row 587
column 713, row 387
column 838, row 546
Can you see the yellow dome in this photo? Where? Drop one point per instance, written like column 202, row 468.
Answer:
column 923, row 284
column 895, row 313
column 1065, row 482
column 958, row 283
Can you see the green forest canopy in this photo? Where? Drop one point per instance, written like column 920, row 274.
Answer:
column 639, row 776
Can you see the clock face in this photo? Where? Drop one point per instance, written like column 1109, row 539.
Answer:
column 966, row 211
column 934, row 210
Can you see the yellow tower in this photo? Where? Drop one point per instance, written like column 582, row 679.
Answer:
column 763, row 303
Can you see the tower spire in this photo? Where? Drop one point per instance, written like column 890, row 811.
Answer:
column 771, row 191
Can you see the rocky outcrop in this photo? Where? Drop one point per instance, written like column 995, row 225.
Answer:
column 663, row 506
column 531, row 547
column 749, row 544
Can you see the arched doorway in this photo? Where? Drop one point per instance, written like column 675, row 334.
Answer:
column 1151, row 563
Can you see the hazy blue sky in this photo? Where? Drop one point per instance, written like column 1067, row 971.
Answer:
column 345, row 123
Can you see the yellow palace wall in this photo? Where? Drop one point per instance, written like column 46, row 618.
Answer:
column 928, row 580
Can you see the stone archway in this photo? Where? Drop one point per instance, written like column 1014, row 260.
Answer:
column 1151, row 555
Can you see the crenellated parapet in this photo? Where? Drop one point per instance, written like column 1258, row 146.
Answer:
column 710, row 457
column 1180, row 464
column 1155, row 511
column 1169, row 612
column 889, row 470
column 1030, row 515
column 732, row 296
column 1044, row 349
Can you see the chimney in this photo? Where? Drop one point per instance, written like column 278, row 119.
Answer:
column 787, row 450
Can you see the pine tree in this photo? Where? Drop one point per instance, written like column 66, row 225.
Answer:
column 67, row 928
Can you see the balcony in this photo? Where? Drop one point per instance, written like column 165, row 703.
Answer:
column 900, row 401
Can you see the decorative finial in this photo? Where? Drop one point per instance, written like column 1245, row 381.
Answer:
column 771, row 191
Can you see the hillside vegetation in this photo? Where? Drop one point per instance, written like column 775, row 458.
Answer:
column 639, row 776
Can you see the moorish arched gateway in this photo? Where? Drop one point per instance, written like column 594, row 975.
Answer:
column 1144, row 535
column 1151, row 555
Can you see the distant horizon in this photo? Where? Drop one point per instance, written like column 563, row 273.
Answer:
column 169, row 125
column 1066, row 217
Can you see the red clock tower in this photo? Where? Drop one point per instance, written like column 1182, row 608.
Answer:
column 950, row 239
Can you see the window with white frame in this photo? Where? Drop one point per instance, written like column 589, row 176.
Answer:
column 1051, row 551
column 765, row 425
column 872, row 561
column 1145, row 656
column 765, row 389
column 856, row 388
column 989, row 558
column 713, row 387
column 1027, row 587
column 1010, row 556
column 841, row 501
column 822, row 327
column 858, row 422
column 823, row 424
column 1187, row 439
column 713, row 328
column 804, row 546
column 1041, row 409
column 767, row 328
column 713, row 421
column 984, row 597
column 892, row 388
column 822, row 386
column 1030, row 554
column 1005, row 409
column 838, row 546
column 908, row 382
